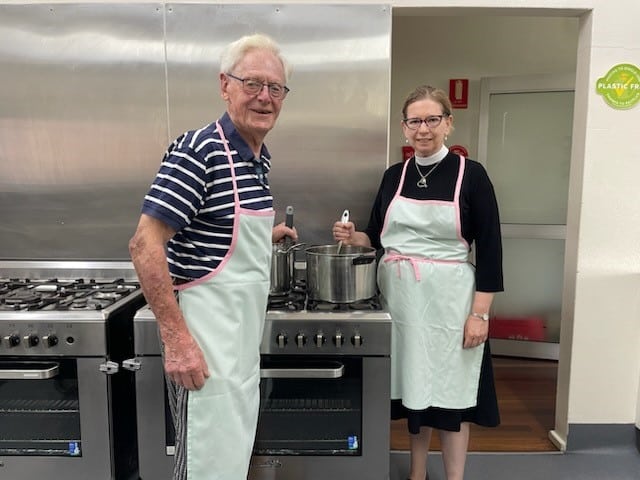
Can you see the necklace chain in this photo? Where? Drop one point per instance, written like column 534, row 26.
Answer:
column 422, row 183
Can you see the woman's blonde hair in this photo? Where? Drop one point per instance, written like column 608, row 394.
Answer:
column 427, row 91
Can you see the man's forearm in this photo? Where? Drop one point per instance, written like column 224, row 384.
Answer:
column 153, row 272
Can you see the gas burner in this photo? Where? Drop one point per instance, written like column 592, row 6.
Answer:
column 79, row 303
column 293, row 301
column 371, row 304
column 22, row 297
column 107, row 295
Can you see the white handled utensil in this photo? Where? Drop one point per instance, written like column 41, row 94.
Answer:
column 344, row 219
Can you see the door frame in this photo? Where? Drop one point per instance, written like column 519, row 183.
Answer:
column 560, row 82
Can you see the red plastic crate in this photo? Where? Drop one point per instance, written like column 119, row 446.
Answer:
column 517, row 328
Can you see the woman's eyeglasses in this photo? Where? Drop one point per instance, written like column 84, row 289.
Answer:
column 432, row 121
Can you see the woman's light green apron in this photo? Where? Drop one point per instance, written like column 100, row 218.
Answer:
column 428, row 285
column 225, row 313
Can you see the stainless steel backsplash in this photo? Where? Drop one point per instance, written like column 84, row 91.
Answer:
column 92, row 94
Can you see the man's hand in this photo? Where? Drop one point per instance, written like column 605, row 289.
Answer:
column 281, row 231
column 184, row 362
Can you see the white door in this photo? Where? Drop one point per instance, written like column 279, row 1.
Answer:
column 525, row 144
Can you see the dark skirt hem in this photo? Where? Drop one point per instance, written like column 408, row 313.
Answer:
column 485, row 413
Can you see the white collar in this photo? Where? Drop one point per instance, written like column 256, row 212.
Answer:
column 434, row 158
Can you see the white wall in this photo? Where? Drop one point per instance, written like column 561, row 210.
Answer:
column 599, row 360
column 604, row 354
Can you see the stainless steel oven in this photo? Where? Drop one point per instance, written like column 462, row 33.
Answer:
column 66, row 408
column 324, row 407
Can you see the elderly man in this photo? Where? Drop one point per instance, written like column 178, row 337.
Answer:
column 206, row 231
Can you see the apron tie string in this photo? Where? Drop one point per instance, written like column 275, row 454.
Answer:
column 413, row 260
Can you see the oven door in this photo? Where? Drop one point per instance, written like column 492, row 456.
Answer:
column 54, row 417
column 310, row 407
column 322, row 417
column 306, row 408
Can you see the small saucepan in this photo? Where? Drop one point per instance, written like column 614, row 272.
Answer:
column 282, row 264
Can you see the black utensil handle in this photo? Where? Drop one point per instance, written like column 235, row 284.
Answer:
column 289, row 218
column 363, row 260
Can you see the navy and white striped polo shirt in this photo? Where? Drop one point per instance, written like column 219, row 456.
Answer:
column 193, row 194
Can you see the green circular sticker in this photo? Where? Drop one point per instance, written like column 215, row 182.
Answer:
column 620, row 87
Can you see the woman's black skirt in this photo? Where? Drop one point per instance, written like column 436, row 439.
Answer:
column 485, row 413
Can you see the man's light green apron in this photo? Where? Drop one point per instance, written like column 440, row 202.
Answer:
column 225, row 312
column 428, row 285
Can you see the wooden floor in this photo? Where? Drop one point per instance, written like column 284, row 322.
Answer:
column 526, row 396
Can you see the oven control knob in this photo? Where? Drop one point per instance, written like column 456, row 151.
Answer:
column 319, row 339
column 301, row 340
column 31, row 340
column 281, row 340
column 356, row 340
column 12, row 340
column 338, row 340
column 50, row 340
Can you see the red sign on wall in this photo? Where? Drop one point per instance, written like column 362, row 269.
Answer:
column 459, row 150
column 407, row 152
column 459, row 92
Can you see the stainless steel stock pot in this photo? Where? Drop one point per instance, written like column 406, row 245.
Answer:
column 345, row 277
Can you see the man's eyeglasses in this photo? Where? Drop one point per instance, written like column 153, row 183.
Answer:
column 432, row 121
column 253, row 86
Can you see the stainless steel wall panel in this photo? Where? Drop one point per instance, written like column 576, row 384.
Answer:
column 92, row 94
column 82, row 117
column 329, row 147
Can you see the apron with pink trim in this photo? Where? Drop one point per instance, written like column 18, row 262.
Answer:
column 225, row 313
column 427, row 284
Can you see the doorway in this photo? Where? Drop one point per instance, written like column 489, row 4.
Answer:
column 524, row 142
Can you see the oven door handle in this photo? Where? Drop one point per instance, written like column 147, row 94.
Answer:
column 336, row 372
column 49, row 371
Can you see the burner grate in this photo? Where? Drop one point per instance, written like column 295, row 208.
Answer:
column 297, row 300
column 293, row 301
column 369, row 304
column 55, row 294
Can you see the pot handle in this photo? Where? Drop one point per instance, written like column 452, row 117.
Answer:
column 286, row 249
column 363, row 260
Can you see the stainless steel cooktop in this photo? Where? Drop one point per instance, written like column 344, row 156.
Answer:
column 65, row 308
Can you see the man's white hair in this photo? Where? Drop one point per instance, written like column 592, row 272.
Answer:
column 235, row 51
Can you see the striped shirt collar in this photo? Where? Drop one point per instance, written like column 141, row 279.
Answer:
column 240, row 145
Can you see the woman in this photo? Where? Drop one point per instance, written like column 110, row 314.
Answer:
column 428, row 212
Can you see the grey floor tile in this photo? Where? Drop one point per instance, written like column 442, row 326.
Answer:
column 606, row 464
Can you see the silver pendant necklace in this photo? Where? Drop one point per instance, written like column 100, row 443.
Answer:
column 422, row 183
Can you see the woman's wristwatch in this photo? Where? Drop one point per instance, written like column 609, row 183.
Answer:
column 483, row 316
